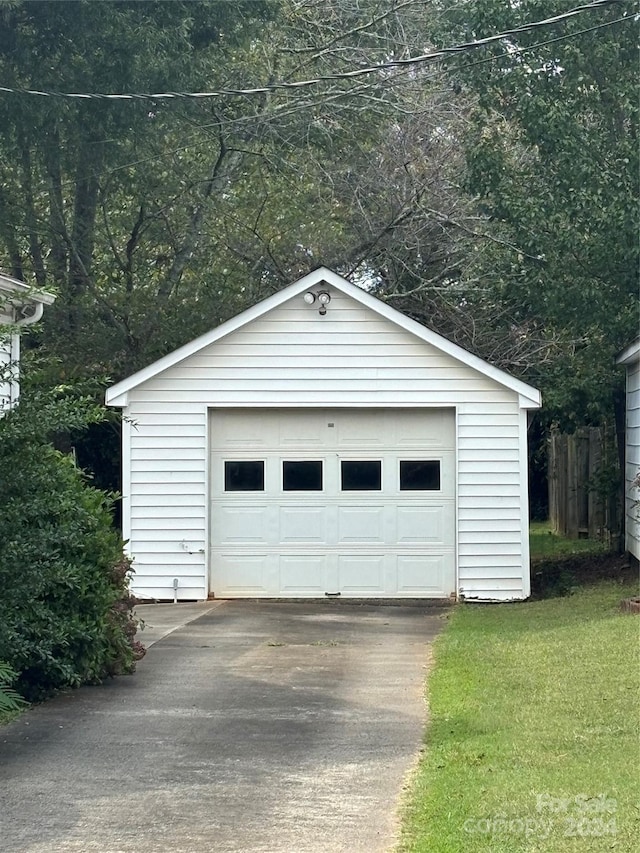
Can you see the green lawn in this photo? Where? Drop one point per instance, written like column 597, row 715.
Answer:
column 533, row 743
column 544, row 543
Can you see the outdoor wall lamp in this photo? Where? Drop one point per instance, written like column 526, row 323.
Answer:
column 323, row 297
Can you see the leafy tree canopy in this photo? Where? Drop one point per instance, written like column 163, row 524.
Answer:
column 553, row 162
column 493, row 198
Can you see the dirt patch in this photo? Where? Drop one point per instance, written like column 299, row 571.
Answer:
column 558, row 576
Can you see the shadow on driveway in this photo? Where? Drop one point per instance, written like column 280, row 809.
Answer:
column 256, row 727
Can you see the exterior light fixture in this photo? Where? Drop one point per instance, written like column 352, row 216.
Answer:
column 324, row 299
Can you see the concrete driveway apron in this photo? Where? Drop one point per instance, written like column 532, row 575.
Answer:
column 279, row 727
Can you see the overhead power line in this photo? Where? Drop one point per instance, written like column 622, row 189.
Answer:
column 226, row 122
column 432, row 56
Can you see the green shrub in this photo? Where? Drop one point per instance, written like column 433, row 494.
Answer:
column 10, row 701
column 65, row 614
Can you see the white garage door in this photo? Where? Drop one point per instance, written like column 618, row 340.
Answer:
column 308, row 503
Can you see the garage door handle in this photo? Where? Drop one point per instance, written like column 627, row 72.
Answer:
column 332, row 594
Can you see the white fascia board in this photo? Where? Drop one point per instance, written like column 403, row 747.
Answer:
column 530, row 401
column 116, row 400
column 529, row 396
column 24, row 292
column 629, row 354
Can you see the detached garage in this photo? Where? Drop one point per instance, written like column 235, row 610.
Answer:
column 323, row 444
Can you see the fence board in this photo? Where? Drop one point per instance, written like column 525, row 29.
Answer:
column 579, row 504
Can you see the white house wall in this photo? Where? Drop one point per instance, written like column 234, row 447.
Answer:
column 5, row 359
column 292, row 357
column 632, row 462
column 9, row 355
column 5, row 383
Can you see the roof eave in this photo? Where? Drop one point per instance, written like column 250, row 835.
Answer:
column 629, row 354
column 24, row 292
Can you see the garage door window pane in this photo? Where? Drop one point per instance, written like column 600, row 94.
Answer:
column 302, row 476
column 244, row 476
column 420, row 475
column 361, row 475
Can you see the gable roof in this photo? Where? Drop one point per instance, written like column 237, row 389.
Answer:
column 629, row 354
column 530, row 397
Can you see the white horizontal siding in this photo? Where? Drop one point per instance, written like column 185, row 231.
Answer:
column 474, row 467
column 241, row 358
column 9, row 359
column 166, row 504
column 152, row 517
column 319, row 378
column 492, row 522
column 161, row 554
column 340, row 358
column 176, row 428
column 294, row 358
column 393, row 395
column 498, row 454
column 169, row 488
column 503, row 590
column 474, row 512
column 477, row 576
column 632, row 465
column 468, row 526
column 5, row 361
column 633, row 399
column 478, row 539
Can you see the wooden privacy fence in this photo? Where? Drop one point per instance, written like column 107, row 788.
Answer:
column 584, row 490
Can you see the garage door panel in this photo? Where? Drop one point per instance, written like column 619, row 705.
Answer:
column 241, row 524
column 360, row 524
column 361, row 573
column 291, row 534
column 423, row 574
column 242, row 574
column 424, row 429
column 360, row 433
column 301, row 574
column 256, row 432
column 424, row 524
column 307, row 429
column 303, row 524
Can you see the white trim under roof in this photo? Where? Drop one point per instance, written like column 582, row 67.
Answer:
column 14, row 287
column 629, row 354
column 529, row 396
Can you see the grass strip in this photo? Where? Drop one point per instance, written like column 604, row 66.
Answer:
column 533, row 741
column 544, row 543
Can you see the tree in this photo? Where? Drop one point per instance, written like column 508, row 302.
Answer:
column 553, row 161
column 81, row 179
column 156, row 220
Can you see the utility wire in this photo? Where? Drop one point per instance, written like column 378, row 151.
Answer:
column 226, row 122
column 344, row 75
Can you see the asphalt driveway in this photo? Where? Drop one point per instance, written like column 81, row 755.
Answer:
column 277, row 727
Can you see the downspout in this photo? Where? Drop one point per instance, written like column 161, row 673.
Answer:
column 24, row 319
column 27, row 319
